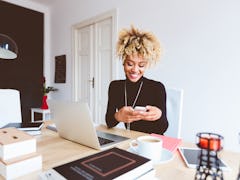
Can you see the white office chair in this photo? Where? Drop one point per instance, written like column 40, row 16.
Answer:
column 10, row 106
column 174, row 112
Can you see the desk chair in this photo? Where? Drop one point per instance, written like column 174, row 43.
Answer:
column 174, row 112
column 10, row 106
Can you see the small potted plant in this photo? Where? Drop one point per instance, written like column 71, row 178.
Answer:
column 46, row 90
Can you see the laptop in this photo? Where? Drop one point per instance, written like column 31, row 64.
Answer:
column 73, row 122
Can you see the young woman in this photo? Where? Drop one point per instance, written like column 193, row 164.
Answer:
column 138, row 50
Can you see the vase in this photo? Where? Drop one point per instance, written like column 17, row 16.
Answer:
column 44, row 102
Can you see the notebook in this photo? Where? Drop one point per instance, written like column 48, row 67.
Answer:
column 73, row 122
column 169, row 143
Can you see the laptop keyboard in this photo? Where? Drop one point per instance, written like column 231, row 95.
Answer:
column 103, row 141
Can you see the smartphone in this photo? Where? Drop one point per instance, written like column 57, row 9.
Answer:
column 140, row 108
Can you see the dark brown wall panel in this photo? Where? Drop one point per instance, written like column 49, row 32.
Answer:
column 26, row 27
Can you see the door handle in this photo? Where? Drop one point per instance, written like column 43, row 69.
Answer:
column 92, row 82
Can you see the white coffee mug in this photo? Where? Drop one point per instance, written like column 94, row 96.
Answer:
column 148, row 146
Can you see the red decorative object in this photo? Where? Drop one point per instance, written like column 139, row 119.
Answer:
column 44, row 102
column 209, row 163
column 213, row 143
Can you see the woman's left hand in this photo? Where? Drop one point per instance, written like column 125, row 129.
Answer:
column 153, row 113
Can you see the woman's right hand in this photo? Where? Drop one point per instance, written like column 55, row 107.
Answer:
column 127, row 115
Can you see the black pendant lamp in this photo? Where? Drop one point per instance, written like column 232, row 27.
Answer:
column 8, row 47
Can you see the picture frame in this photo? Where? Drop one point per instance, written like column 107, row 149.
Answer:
column 60, row 69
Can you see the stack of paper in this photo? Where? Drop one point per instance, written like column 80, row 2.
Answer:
column 18, row 154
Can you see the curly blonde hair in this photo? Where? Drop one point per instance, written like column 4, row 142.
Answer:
column 133, row 41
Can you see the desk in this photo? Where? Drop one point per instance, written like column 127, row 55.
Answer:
column 44, row 112
column 57, row 151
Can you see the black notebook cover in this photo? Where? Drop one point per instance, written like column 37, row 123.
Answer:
column 107, row 164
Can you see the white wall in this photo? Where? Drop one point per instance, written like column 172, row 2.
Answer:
column 200, row 42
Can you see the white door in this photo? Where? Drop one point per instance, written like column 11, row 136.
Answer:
column 84, row 65
column 103, row 64
column 94, row 64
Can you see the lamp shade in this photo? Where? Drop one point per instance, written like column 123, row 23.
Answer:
column 8, row 47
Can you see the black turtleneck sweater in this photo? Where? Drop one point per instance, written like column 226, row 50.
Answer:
column 152, row 93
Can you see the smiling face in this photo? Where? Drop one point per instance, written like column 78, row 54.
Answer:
column 134, row 67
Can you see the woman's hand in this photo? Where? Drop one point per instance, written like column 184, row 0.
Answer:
column 127, row 114
column 153, row 113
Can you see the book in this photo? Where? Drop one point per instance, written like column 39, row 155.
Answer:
column 113, row 163
column 16, row 167
column 30, row 126
column 15, row 143
column 169, row 143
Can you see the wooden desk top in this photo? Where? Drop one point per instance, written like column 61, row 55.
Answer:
column 56, row 151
